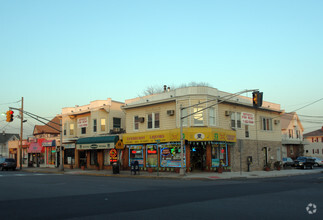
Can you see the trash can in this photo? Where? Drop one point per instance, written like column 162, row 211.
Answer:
column 116, row 168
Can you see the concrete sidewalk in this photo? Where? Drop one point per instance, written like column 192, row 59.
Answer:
column 173, row 175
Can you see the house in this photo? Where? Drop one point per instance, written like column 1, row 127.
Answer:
column 4, row 140
column 90, row 132
column 43, row 147
column 292, row 135
column 315, row 146
column 220, row 129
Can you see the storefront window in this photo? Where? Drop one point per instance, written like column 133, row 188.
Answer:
column 106, row 157
column 170, row 155
column 151, row 155
column 94, row 157
column 219, row 154
column 51, row 155
column 69, row 156
column 136, row 154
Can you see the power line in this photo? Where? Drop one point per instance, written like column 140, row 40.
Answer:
column 10, row 103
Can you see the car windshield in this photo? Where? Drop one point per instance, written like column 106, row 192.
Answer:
column 10, row 160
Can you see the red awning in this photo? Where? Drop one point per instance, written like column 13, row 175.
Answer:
column 35, row 148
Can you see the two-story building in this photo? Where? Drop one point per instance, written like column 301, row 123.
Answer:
column 315, row 146
column 292, row 135
column 43, row 147
column 90, row 132
column 219, row 129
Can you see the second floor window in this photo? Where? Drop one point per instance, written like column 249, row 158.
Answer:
column 83, row 130
column 71, row 129
column 116, row 122
column 103, row 124
column 266, row 124
column 198, row 116
column 65, row 125
column 94, row 125
column 236, row 120
column 153, row 120
column 212, row 116
column 136, row 123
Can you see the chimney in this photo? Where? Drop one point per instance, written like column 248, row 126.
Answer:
column 168, row 89
column 165, row 87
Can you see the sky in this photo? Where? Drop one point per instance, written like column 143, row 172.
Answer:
column 62, row 53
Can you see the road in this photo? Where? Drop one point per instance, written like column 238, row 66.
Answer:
column 57, row 196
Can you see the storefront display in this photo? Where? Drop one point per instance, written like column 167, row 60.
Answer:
column 219, row 154
column 151, row 155
column 170, row 155
column 136, row 154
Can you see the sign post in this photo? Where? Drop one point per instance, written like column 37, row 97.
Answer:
column 158, row 142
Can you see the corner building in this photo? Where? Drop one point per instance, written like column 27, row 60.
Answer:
column 91, row 133
column 219, row 129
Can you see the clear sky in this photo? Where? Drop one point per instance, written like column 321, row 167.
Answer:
column 62, row 53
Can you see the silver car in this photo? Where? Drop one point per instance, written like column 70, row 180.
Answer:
column 318, row 161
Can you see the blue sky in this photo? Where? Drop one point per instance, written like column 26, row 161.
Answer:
column 69, row 52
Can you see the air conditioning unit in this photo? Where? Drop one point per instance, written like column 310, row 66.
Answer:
column 116, row 129
column 227, row 113
column 170, row 112
column 141, row 119
column 276, row 122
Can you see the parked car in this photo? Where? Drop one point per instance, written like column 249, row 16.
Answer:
column 318, row 161
column 304, row 162
column 8, row 163
column 287, row 162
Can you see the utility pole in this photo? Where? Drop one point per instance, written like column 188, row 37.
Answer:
column 21, row 129
column 61, row 164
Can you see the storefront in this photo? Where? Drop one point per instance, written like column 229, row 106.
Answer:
column 204, row 148
column 50, row 152
column 69, row 154
column 36, row 153
column 94, row 152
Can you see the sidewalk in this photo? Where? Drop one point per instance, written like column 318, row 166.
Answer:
column 173, row 175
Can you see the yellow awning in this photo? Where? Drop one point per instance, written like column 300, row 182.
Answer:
column 173, row 135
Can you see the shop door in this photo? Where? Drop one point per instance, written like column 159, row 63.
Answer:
column 198, row 158
column 82, row 161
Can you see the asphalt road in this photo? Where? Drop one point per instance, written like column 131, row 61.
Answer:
column 53, row 196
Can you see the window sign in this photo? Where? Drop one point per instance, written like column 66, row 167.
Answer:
column 82, row 122
column 247, row 118
column 136, row 154
column 151, row 155
column 170, row 155
column 219, row 153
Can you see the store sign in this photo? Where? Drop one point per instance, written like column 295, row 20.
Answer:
column 199, row 136
column 13, row 150
column 247, row 118
column 113, row 156
column 120, row 145
column 165, row 151
column 82, row 122
column 94, row 146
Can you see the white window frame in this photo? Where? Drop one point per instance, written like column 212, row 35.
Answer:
column 154, row 125
column 198, row 118
column 72, row 129
column 212, row 116
column 266, row 124
column 235, row 119
column 101, row 124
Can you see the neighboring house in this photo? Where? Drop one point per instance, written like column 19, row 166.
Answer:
column 218, row 130
column 292, row 135
column 90, row 132
column 43, row 148
column 4, row 139
column 315, row 146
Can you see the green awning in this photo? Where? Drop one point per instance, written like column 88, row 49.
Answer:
column 97, row 140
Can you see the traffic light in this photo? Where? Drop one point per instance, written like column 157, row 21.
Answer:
column 9, row 116
column 257, row 99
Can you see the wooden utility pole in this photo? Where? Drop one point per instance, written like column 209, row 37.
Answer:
column 21, row 129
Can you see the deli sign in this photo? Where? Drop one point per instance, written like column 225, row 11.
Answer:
column 247, row 118
column 82, row 122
